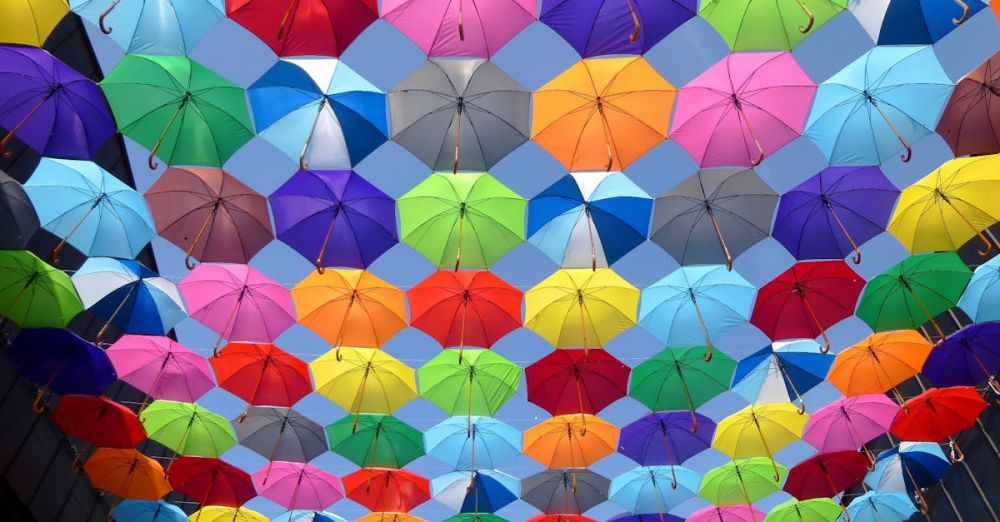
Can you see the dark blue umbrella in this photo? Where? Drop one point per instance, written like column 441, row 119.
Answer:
column 60, row 361
column 921, row 22
column 666, row 437
column 599, row 27
column 475, row 491
column 647, row 517
column 782, row 370
column 966, row 357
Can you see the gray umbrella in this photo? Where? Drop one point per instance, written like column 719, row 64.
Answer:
column 567, row 491
column 18, row 220
column 281, row 434
column 714, row 216
column 459, row 114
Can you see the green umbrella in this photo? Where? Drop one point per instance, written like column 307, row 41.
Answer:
column 187, row 428
column 914, row 292
column 679, row 378
column 183, row 112
column 477, row 382
column 33, row 294
column 466, row 220
column 754, row 25
column 475, row 517
column 742, row 481
column 380, row 441
column 811, row 510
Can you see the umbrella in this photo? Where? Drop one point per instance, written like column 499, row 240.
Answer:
column 595, row 115
column 755, row 24
column 388, row 516
column 665, row 438
column 238, row 302
column 51, row 107
column 565, row 491
column 128, row 296
column 646, row 517
column 227, row 514
column 304, row 27
column 89, row 208
column 591, row 219
column 981, row 298
column 879, row 104
column 126, row 473
column 902, row 23
column 966, row 358
column 187, row 429
column 938, row 414
column 152, row 26
column 161, row 368
column 879, row 363
column 657, row 380
column 826, row 474
column 31, row 23
column 780, row 371
column 757, row 431
column 601, row 28
column 60, row 361
column 319, row 112
column 742, row 481
column 148, row 511
column 473, row 517
column 706, row 299
column 488, row 445
column 560, row 518
column 444, row 99
column 211, row 481
column 467, row 220
column 33, row 294
column 381, row 489
column 743, row 108
column 281, row 434
column 484, row 379
column 18, row 219
column 713, row 216
column 261, row 374
column 654, row 488
column 727, row 514
column 814, row 509
column 913, row 292
column 364, row 380
column 849, row 423
column 381, row 441
column 444, row 28
column 881, row 507
column 570, row 441
column 308, row 516
column 309, row 205
column 967, row 123
column 908, row 468
column 296, row 485
column 480, row 491
column 183, row 112
column 830, row 214
column 210, row 214
column 98, row 421
column 575, row 381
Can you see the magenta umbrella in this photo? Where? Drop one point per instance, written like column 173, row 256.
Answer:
column 297, row 485
column 161, row 368
column 743, row 108
column 460, row 27
column 237, row 302
column 850, row 423
column 727, row 514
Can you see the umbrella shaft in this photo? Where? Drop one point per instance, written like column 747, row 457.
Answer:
column 286, row 20
column 636, row 28
column 850, row 239
column 65, row 239
column 312, row 131
column 210, row 218
column 24, row 119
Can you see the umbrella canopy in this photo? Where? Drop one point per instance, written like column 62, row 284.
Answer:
column 878, row 105
column 280, row 434
column 595, row 28
column 713, row 216
column 908, row 467
column 388, row 516
column 879, row 363
column 98, row 421
column 654, row 488
column 444, row 28
column 482, row 491
column 304, row 27
column 594, row 116
column 296, row 485
column 60, row 361
column 665, row 438
column 848, row 423
column 308, row 516
column 560, row 518
column 814, row 509
column 569, row 491
column 227, row 514
column 679, row 378
column 308, row 207
column 967, row 123
column 444, row 99
column 364, row 380
column 826, row 475
column 576, row 381
column 380, row 489
column 646, row 517
column 968, row 357
column 17, row 213
column 31, row 23
column 756, row 100
column 761, row 24
column 152, row 26
column 262, row 374
column 907, row 23
column 126, row 473
column 483, row 378
column 880, row 507
column 161, row 367
column 210, row 214
column 211, row 481
column 727, row 514
column 33, row 294
column 743, row 481
column 467, row 220
column 981, row 298
column 475, row 517
column 187, row 429
column 570, row 441
column 780, row 371
column 760, row 431
column 381, row 441
column 148, row 511
column 938, row 414
column 488, row 445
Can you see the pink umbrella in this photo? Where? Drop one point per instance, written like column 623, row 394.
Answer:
column 297, row 485
column 460, row 27
column 727, row 514
column 742, row 109
column 161, row 368
column 850, row 423
column 237, row 302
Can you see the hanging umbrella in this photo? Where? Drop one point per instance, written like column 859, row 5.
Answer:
column 238, row 302
column 183, row 112
column 761, row 24
column 211, row 481
column 603, row 28
column 713, row 216
column 308, row 516
column 646, row 517
column 665, row 438
column 575, row 381
column 680, row 378
column 654, row 489
column 59, row 361
column 967, row 123
column 309, row 205
column 304, row 27
column 478, row 384
column 187, row 429
column 126, row 473
column 474, row 517
column 569, row 491
column 49, row 106
column 878, row 105
column 727, row 514
column 590, row 219
column 444, row 28
column 488, row 445
column 210, row 214
column 938, row 414
column 364, row 380
column 908, row 468
column 161, row 368
column 696, row 304
column 814, row 509
column 760, row 431
column 881, row 507
column 595, row 115
column 89, row 208
column 444, row 99
column 147, row 511
column 981, row 298
column 18, row 219
column 296, row 485
column 826, row 475
column 387, row 489
column 33, row 294
column 227, row 514
column 570, row 441
column 467, row 220
column 381, row 441
column 879, row 363
column 892, row 22
column 742, row 481
column 261, row 374
column 850, row 423
column 781, row 371
column 832, row 213
column 281, row 434
column 756, row 100
column 480, row 491
column 967, row 358
column 31, row 23
column 560, row 518
column 168, row 27
column 98, row 421
column 388, row 516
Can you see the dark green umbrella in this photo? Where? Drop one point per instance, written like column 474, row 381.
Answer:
column 679, row 378
column 380, row 441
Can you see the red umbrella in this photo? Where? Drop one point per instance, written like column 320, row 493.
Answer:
column 938, row 414
column 807, row 299
column 576, row 381
column 827, row 474
column 98, row 421
column 382, row 489
column 971, row 120
column 211, row 481
column 262, row 374
column 304, row 27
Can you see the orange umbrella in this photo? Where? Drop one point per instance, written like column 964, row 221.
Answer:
column 571, row 441
column 603, row 113
column 126, row 473
column 879, row 363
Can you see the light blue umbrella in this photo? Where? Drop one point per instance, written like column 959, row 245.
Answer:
column 696, row 304
column 981, row 299
column 307, row 516
column 319, row 112
column 878, row 105
column 654, row 489
column 89, row 208
column 782, row 370
column 880, row 507
column 589, row 219
column 172, row 27
column 481, row 491
column 146, row 511
column 490, row 444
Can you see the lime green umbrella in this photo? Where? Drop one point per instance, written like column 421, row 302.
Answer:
column 379, row 441
column 742, row 481
column 466, row 220
column 812, row 510
column 914, row 292
column 679, row 378
column 477, row 382
column 183, row 112
column 33, row 294
column 187, row 428
column 754, row 25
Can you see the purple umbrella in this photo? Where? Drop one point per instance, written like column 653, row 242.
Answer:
column 830, row 214
column 51, row 107
column 60, row 361
column 600, row 27
column 647, row 517
column 666, row 438
column 967, row 357
column 334, row 218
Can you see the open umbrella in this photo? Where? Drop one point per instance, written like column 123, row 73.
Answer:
column 713, row 216
column 569, row 441
column 968, row 357
column 211, row 481
column 654, row 489
column 742, row 481
column 595, row 28
column 895, row 22
column 187, row 429
column 148, row 511
column 380, row 441
column 152, row 26
column 743, row 108
column 849, row 423
column 479, row 491
column 826, row 474
column 478, row 384
column 760, row 431
column 938, row 414
column 33, row 294
column 569, row 491
column 364, row 380
column 304, row 27
column 308, row 516
column 227, row 514
column 780, row 371
column 388, row 516
column 981, row 298
column 646, row 517
column 813, row 509
column 560, row 518
column 18, row 218
column 595, row 115
column 473, row 28
column 488, row 445
column 909, row 468
column 727, row 514
column 281, row 434
column 380, row 489
column 161, row 368
column 879, row 363
column 297, row 485
column 261, row 374
column 576, row 381
column 59, row 361
column 126, row 473
column 680, row 378
column 967, row 124
column 443, row 100
column 475, row 517
column 832, row 213
column 874, row 506
column 665, row 438
column 31, row 23
column 762, row 24
column 180, row 110
column 878, row 105
column 98, row 421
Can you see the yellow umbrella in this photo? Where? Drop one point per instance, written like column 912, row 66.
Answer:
column 759, row 431
column 227, row 514
column 949, row 206
column 364, row 380
column 29, row 22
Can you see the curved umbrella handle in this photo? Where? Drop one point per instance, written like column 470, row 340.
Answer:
column 4, row 151
column 636, row 25
column 956, row 455
column 965, row 13
column 37, row 405
column 188, row 263
column 151, row 161
column 909, row 152
column 812, row 18
column 104, row 28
